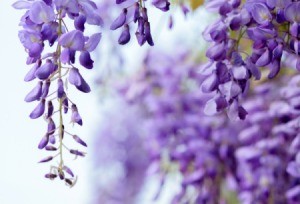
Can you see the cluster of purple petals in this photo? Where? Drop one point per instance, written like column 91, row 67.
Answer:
column 220, row 160
column 272, row 27
column 53, row 50
column 268, row 144
column 178, row 131
column 136, row 12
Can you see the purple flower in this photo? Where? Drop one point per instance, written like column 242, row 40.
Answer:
column 148, row 34
column 22, row 5
column 85, row 60
column 291, row 12
column 79, row 140
column 275, row 68
column 60, row 89
column 49, row 158
column 140, row 38
column 50, row 148
column 35, row 93
column 163, row 5
column 66, row 105
column 51, row 127
column 76, row 118
column 68, row 170
column 76, row 79
column 79, row 22
column 119, row 21
column 43, row 26
column 77, row 153
column 44, row 141
column 92, row 42
column 44, row 71
column 125, row 35
column 216, row 52
column 210, row 83
column 293, row 193
column 52, row 139
column 294, row 169
column 261, row 14
column 136, row 14
column 50, row 176
column 40, row 12
column 45, row 89
column 38, row 111
column 49, row 32
column 31, row 74
column 264, row 59
column 73, row 40
column 67, row 56
column 253, row 69
column 50, row 109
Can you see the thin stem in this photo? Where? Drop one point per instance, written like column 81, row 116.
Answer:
column 61, row 129
column 241, row 34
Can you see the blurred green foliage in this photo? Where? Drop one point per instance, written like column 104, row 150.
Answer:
column 196, row 4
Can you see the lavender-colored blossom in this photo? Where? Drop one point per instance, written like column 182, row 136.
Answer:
column 77, row 80
column 47, row 159
column 52, row 139
column 68, row 170
column 92, row 42
column 73, row 40
column 291, row 12
column 79, row 22
column 50, row 109
column 50, row 176
column 163, row 5
column 138, row 12
column 51, row 127
column 60, row 89
column 44, row 71
column 35, row 93
column 75, row 118
column 119, row 21
column 38, row 111
column 50, row 148
column 51, row 47
column 45, row 89
column 77, row 152
column 85, row 60
column 44, row 141
column 79, row 140
column 66, row 105
column 261, row 14
column 40, row 12
column 148, row 35
column 49, row 32
column 31, row 74
column 125, row 36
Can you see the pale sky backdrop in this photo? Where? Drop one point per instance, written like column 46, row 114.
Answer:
column 21, row 177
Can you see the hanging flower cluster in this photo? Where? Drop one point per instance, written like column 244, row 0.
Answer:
column 137, row 12
column 271, row 27
column 52, row 50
